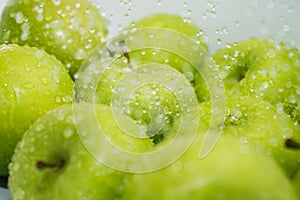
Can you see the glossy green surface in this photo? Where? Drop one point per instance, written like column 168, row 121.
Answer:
column 31, row 83
column 67, row 29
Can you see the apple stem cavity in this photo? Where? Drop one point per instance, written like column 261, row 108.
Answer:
column 241, row 77
column 125, row 50
column 292, row 144
column 41, row 165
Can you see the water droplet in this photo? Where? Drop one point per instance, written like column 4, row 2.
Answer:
column 68, row 133
column 80, row 54
column 177, row 166
column 77, row 5
column 151, row 35
column 15, row 166
column 87, row 10
column 57, row 99
column 56, row 2
column 286, row 28
column 25, row 31
column 19, row 17
column 280, row 90
column 189, row 76
column 28, row 85
column 39, row 127
column 39, row 54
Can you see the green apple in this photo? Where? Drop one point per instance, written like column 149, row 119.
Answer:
column 67, row 29
column 160, row 50
column 155, row 94
column 296, row 183
column 51, row 161
column 256, row 122
column 265, row 69
column 228, row 172
column 153, row 107
column 31, row 83
column 173, row 22
column 168, row 56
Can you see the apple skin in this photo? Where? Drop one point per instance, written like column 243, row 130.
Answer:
column 256, row 122
column 54, row 139
column 31, row 83
column 296, row 183
column 223, row 174
column 130, row 60
column 170, row 21
column 67, row 29
column 265, row 69
column 176, row 23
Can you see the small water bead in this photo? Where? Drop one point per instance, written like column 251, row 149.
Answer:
column 187, row 20
column 19, row 17
column 40, row 127
column 291, row 99
column 15, row 167
column 28, row 85
column 68, row 133
column 224, row 30
column 177, row 166
column 25, row 31
column 143, row 53
column 285, row 28
column 56, row 2
column 151, row 35
column 68, row 65
column 77, row 5
column 289, row 84
column 80, row 54
column 243, row 140
column 225, row 56
column 68, row 7
column 87, row 10
column 228, row 45
column 39, row 18
column 125, row 2
column 58, row 99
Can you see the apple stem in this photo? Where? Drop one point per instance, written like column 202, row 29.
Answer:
column 41, row 165
column 125, row 49
column 291, row 143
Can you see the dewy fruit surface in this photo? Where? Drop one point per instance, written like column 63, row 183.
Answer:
column 31, row 83
column 67, row 29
